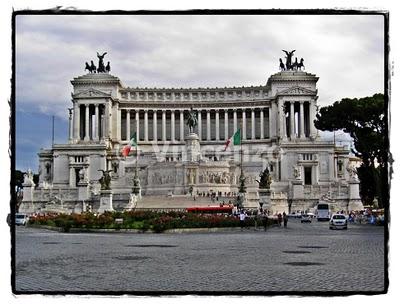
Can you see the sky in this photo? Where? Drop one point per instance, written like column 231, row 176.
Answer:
column 346, row 52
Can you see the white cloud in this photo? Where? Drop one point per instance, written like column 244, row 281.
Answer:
column 346, row 52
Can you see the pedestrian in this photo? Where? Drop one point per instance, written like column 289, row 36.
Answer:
column 285, row 220
column 280, row 219
column 265, row 220
column 242, row 217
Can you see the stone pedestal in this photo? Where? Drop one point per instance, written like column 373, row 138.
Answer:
column 105, row 201
column 354, row 195
column 265, row 198
column 298, row 189
column 133, row 200
column 83, row 191
column 193, row 152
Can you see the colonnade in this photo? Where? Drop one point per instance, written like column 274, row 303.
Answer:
column 295, row 121
column 212, row 124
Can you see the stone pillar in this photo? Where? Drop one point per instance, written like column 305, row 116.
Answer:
column 145, row 125
column 208, row 125
column 163, row 125
column 234, row 121
column 128, row 125
column 182, row 134
column 96, row 118
column 312, row 110
column 119, row 124
column 138, row 125
column 199, row 124
column 86, row 123
column 154, row 125
column 262, row 123
column 216, row 124
column 76, row 121
column 105, row 201
column 283, row 121
column 173, row 125
column 272, row 118
column 253, row 124
column 243, row 123
column 301, row 119
column 226, row 124
column 70, row 126
column 292, row 131
column 72, row 180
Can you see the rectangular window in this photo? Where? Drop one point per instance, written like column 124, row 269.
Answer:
column 307, row 175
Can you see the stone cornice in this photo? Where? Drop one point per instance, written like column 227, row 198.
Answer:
column 196, row 105
column 101, row 78
column 292, row 76
column 193, row 90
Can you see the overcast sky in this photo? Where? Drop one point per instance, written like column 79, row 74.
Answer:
column 346, row 52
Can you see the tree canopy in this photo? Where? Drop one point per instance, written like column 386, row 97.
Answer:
column 365, row 120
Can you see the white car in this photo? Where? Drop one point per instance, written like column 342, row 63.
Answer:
column 21, row 219
column 338, row 221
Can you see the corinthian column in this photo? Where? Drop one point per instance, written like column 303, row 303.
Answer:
column 145, row 125
column 199, row 123
column 182, row 133
column 154, row 125
column 292, row 131
column 164, row 126
column 96, row 119
column 70, row 127
column 235, row 127
column 262, row 123
column 208, row 125
column 76, row 121
column 128, row 125
column 301, row 118
column 216, row 124
column 226, row 124
column 86, row 123
column 243, row 123
column 253, row 124
column 173, row 125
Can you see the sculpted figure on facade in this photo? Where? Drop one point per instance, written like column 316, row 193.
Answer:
column 351, row 169
column 28, row 178
column 296, row 172
column 105, row 180
column 265, row 179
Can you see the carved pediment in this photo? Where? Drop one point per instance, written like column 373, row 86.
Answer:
column 91, row 93
column 297, row 91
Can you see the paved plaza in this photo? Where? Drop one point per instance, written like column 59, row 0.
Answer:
column 303, row 257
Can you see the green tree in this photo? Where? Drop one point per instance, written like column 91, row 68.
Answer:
column 365, row 120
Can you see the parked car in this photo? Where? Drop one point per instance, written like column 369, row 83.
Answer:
column 338, row 221
column 305, row 218
column 21, row 219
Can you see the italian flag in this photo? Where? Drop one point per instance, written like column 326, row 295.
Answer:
column 234, row 140
column 132, row 143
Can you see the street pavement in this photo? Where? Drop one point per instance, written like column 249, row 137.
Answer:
column 301, row 258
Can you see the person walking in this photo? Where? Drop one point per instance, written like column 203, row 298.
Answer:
column 285, row 220
column 242, row 218
column 265, row 220
column 280, row 219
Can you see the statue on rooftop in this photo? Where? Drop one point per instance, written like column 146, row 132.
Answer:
column 289, row 59
column 101, row 68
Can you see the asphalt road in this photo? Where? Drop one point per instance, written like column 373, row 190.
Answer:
column 301, row 258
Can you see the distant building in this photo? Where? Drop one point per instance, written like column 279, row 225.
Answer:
column 276, row 120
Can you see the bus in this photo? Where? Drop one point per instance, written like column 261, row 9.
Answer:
column 323, row 212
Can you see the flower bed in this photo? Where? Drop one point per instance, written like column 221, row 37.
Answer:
column 142, row 220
